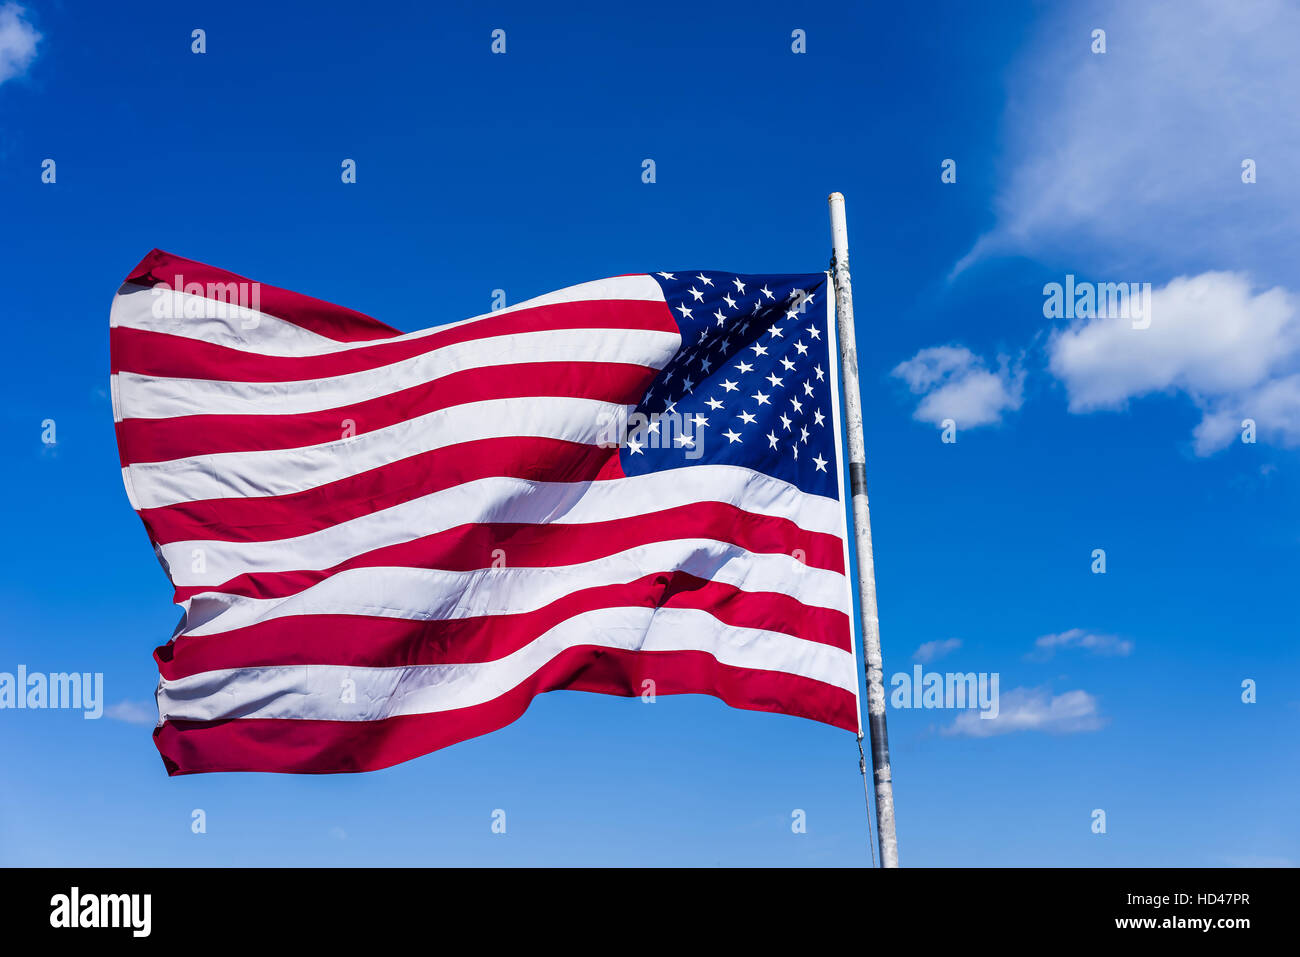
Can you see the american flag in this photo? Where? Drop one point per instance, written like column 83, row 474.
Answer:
column 385, row 543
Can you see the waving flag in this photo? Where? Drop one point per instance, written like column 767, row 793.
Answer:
column 386, row 543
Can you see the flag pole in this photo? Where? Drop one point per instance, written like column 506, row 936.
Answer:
column 862, row 537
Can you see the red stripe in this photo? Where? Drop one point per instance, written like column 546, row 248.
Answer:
column 540, row 545
column 366, row 641
column 323, row 318
column 159, row 354
column 161, row 440
column 324, row 747
column 267, row 518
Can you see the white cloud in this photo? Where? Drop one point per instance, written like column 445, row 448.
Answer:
column 1127, row 164
column 957, row 384
column 1133, row 156
column 1235, row 351
column 132, row 713
column 1032, row 709
column 934, row 650
column 18, row 39
column 1108, row 645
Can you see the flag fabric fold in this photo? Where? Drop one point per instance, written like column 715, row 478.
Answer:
column 385, row 543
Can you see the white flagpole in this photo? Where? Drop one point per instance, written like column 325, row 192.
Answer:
column 862, row 538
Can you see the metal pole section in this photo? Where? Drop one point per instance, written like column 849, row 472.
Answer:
column 862, row 539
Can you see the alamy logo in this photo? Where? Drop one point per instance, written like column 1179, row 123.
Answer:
column 103, row 910
column 949, row 690
column 661, row 430
column 211, row 300
column 1104, row 300
column 61, row 689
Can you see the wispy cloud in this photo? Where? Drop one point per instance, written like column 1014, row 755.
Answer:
column 934, row 650
column 18, row 40
column 1131, row 161
column 1032, row 709
column 132, row 712
column 956, row 384
column 1106, row 645
column 1135, row 154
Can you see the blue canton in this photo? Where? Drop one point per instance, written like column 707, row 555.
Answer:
column 750, row 385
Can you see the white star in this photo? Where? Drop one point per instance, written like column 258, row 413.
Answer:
column 729, row 301
column 775, row 331
column 792, row 313
column 803, row 434
column 820, row 463
column 744, row 367
column 715, row 405
column 635, row 446
column 771, row 437
column 704, row 279
column 721, row 317
column 759, row 350
column 803, row 349
column 699, row 296
column 796, row 452
column 740, row 286
column 789, row 366
column 686, row 313
column 785, row 422
column 670, row 408
column 818, row 418
column 729, row 385
column 775, row 379
column 684, row 440
column 746, row 418
column 732, row 437
column 654, row 424
column 700, row 422
column 767, row 292
column 667, row 275
column 814, row 332
column 807, row 388
column 795, row 402
column 760, row 398
column 820, row 373
column 809, row 298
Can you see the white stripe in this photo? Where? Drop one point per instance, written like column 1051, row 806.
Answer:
column 312, row 692
column 283, row 471
column 230, row 324
column 160, row 397
column 426, row 594
column 503, row 499
column 639, row 287
column 249, row 330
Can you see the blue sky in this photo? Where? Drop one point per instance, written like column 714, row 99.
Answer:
column 522, row 172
